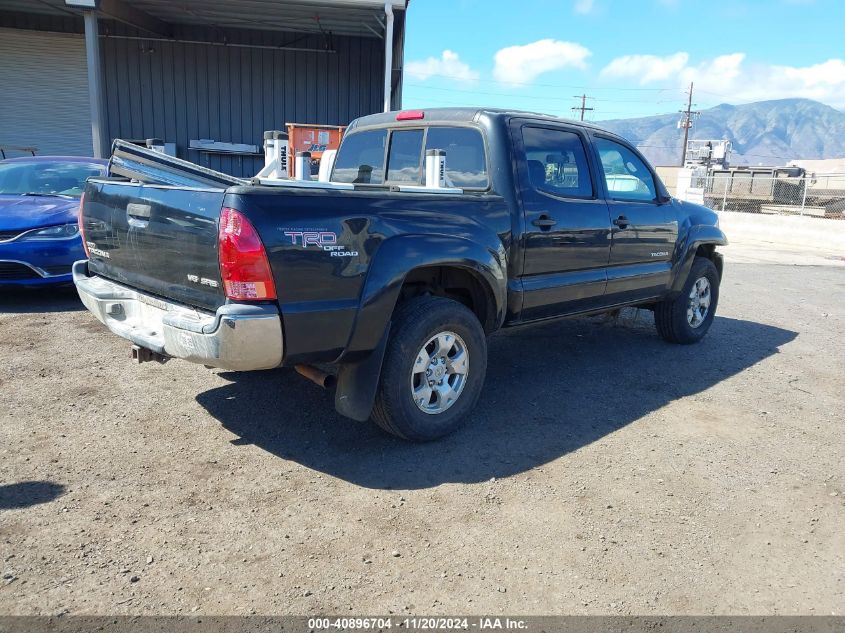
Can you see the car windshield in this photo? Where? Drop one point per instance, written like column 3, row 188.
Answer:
column 46, row 178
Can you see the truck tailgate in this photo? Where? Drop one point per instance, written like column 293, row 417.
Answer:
column 156, row 238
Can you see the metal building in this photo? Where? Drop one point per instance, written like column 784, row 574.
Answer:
column 77, row 74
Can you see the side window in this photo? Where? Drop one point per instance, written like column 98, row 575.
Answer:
column 466, row 165
column 405, row 157
column 557, row 162
column 360, row 159
column 625, row 174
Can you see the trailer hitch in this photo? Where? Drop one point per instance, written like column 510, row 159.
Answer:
column 144, row 355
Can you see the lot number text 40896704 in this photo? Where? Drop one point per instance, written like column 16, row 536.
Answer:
column 418, row 623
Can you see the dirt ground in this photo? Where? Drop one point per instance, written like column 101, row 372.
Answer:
column 604, row 471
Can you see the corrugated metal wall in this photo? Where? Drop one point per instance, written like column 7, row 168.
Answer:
column 179, row 91
column 44, row 101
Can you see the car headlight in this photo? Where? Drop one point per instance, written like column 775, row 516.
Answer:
column 61, row 232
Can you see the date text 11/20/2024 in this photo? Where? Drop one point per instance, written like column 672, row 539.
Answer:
column 418, row 623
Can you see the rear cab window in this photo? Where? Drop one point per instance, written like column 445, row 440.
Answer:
column 397, row 156
column 466, row 160
column 361, row 158
column 405, row 157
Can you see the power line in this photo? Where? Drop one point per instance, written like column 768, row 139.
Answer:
column 456, row 102
column 532, row 84
column 542, row 99
column 675, row 147
column 539, row 97
column 628, row 113
column 551, row 109
column 491, row 94
column 655, row 101
column 717, row 94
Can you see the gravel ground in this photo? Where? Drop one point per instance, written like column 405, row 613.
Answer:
column 604, row 471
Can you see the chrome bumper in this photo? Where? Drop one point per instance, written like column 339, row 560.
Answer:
column 237, row 336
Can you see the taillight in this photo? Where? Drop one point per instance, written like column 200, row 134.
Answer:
column 243, row 261
column 81, row 227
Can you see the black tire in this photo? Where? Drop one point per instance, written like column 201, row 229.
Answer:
column 670, row 316
column 414, row 324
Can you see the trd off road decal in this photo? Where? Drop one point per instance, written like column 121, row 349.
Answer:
column 324, row 240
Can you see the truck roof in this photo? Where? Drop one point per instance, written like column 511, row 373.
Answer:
column 460, row 115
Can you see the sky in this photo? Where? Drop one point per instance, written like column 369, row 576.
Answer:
column 630, row 57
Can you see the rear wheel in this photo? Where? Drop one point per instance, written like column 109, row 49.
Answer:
column 433, row 370
column 687, row 318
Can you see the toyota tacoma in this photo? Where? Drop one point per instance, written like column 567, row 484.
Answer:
column 432, row 230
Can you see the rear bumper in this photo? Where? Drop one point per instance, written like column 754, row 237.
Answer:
column 237, row 336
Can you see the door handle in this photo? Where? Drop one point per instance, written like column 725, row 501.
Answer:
column 622, row 222
column 138, row 211
column 138, row 215
column 544, row 222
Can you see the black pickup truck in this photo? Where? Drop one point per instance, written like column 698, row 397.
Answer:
column 387, row 283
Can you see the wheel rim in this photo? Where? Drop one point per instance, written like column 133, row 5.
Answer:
column 699, row 302
column 439, row 374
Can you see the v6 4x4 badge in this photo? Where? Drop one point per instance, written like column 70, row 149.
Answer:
column 324, row 240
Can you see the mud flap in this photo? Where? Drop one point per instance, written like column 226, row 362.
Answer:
column 357, row 383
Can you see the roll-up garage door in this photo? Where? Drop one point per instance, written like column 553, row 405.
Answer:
column 44, row 93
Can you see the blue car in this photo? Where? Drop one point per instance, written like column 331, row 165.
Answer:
column 39, row 201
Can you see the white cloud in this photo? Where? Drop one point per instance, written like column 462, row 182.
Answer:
column 827, row 74
column 738, row 81
column 583, row 6
column 731, row 78
column 646, row 68
column 523, row 64
column 448, row 65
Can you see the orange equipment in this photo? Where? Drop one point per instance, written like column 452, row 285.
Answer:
column 312, row 138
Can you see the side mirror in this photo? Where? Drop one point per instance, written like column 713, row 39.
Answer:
column 664, row 199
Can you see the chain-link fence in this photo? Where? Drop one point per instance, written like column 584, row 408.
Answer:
column 821, row 196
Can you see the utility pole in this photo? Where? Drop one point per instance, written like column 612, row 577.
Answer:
column 583, row 107
column 686, row 123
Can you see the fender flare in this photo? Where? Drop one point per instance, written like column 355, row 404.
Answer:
column 400, row 255
column 360, row 364
column 697, row 235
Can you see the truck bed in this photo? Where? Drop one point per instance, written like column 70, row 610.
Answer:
column 151, row 224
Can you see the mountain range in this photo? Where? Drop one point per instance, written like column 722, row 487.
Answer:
column 762, row 133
